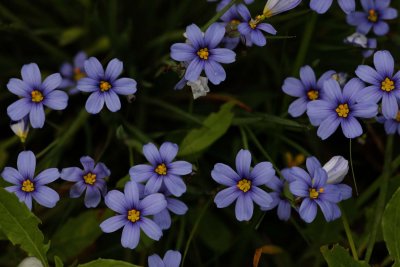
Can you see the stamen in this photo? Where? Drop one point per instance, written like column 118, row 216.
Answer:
column 27, row 186
column 372, row 15
column 105, row 86
column 36, row 96
column 343, row 110
column 313, row 94
column 387, row 85
column 203, row 53
column 90, row 178
column 244, row 185
column 78, row 74
column 161, row 169
column 133, row 215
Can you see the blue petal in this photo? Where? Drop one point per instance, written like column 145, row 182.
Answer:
column 243, row 161
column 175, row 185
column 176, row 206
column 307, row 77
column 284, row 210
column 51, row 82
column 262, row 173
column 141, row 173
column 152, row 154
column 131, row 192
column 320, row 6
column 368, row 74
column 114, row 69
column 26, row 163
column 116, row 201
column 92, row 197
column 19, row 109
column 72, row 174
column 298, row 107
column 214, row 72
column 87, row 84
column 163, row 219
column 180, row 167
column 222, row 55
column 194, row 69
column 152, row 204
column 293, row 87
column 352, row 89
column 168, row 151
column 150, row 228
column 365, row 110
column 113, row 224
column 182, row 52
column 195, row 36
column 130, row 235
column 214, row 35
column 328, row 126
column 11, row 175
column 47, row 176
column 308, row 210
column 19, row 87
column 389, row 106
column 155, row 261
column 384, row 63
column 312, row 165
column 95, row 103
column 258, row 38
column 45, row 196
column 94, row 69
column 31, row 74
column 347, row 5
column 124, row 86
column 112, row 101
column 381, row 28
column 351, row 127
column 225, row 197
column 37, row 116
column 57, row 100
column 326, row 209
column 244, row 207
column 172, row 258
column 259, row 196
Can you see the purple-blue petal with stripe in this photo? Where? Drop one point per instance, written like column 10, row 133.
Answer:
column 195, row 36
column 47, row 176
column 94, row 69
column 45, row 196
column 152, row 154
column 347, row 6
column 172, row 258
column 328, row 126
column 175, row 185
column 225, row 197
column 51, row 82
column 113, row 223
column 243, row 161
column 244, row 207
column 19, row 109
column 130, row 235
column 326, row 209
column 194, row 69
column 163, row 219
column 260, row 197
column 141, row 173
column 308, row 210
column 364, row 110
column 88, row 85
column 389, row 106
column 116, row 201
column 12, row 175
column 222, row 55
column 214, row 35
column 298, row 107
column 351, row 127
column 352, row 89
column 150, row 228
column 31, row 75
column 95, row 102
column 124, row 86
column 77, row 189
column 384, row 63
column 284, row 210
column 57, row 100
column 152, row 204
column 262, row 173
column 214, row 72
column 320, row 6
column 293, row 87
column 381, row 28
column 19, row 87
column 26, row 163
column 168, row 152
column 307, row 77
column 179, row 167
column 92, row 197
column 258, row 38
column 112, row 101
column 176, row 206
column 114, row 69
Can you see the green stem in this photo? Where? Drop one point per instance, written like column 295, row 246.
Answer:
column 349, row 235
column 352, row 169
column 218, row 15
column 380, row 206
column 245, row 140
column 194, row 229
column 262, row 150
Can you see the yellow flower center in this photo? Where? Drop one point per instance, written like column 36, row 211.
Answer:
column 253, row 24
column 244, row 185
column 27, row 186
column 315, row 193
column 235, row 22
column 133, row 215
column 78, row 74
column 203, row 53
column 161, row 169
column 313, row 95
column 343, row 110
column 90, row 178
column 387, row 85
column 36, row 96
column 372, row 15
column 398, row 116
column 105, row 86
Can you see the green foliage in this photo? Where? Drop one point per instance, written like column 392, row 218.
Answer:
column 107, row 263
column 339, row 257
column 58, row 262
column 390, row 227
column 214, row 126
column 21, row 226
column 76, row 234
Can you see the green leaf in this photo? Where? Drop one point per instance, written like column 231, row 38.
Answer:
column 214, row 126
column 390, row 227
column 76, row 234
column 20, row 226
column 70, row 35
column 107, row 263
column 340, row 257
column 58, row 262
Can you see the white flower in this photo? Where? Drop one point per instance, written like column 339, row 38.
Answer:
column 357, row 39
column 30, row 262
column 21, row 128
column 199, row 87
column 340, row 77
column 274, row 7
column 337, row 168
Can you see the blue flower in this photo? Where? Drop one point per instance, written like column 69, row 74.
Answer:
column 252, row 29
column 162, row 171
column 340, row 108
column 27, row 186
column 313, row 189
column 306, row 89
column 34, row 95
column 321, row 6
column 375, row 12
column 91, row 179
column 391, row 125
column 132, row 212
column 72, row 73
column 172, row 258
column 104, row 85
column 278, row 200
column 243, row 185
column 201, row 53
column 372, row 44
column 384, row 84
